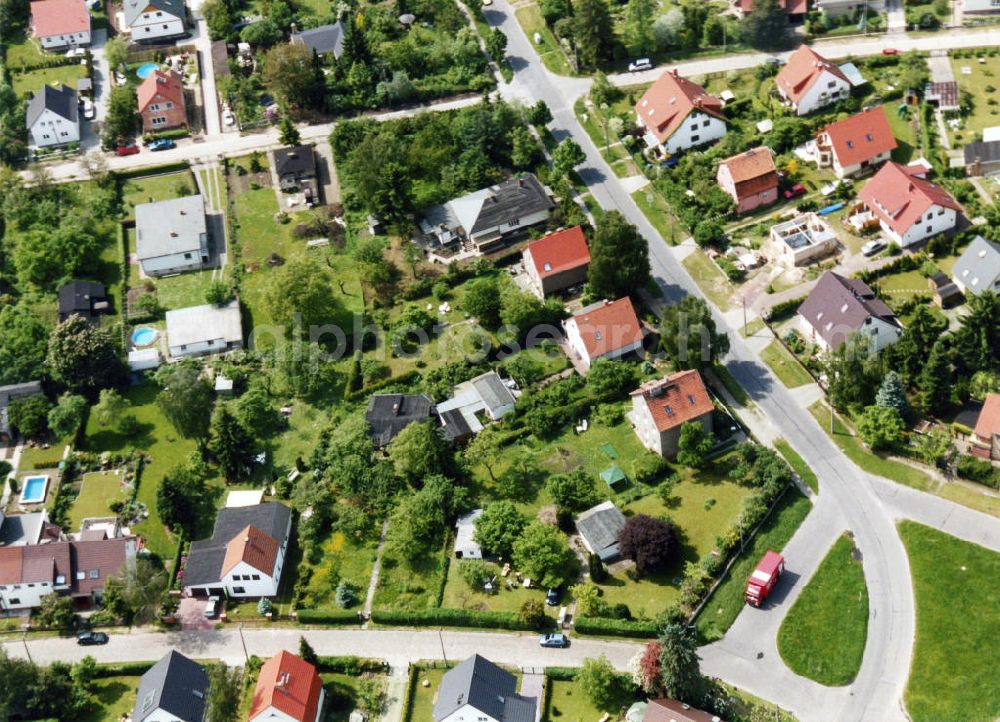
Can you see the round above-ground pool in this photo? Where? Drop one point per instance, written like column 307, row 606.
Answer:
column 146, row 69
column 143, row 336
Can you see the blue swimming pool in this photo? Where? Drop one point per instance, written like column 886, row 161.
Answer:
column 146, row 69
column 34, row 489
column 144, row 336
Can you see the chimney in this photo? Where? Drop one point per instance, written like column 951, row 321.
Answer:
column 520, row 182
column 675, row 73
column 395, row 409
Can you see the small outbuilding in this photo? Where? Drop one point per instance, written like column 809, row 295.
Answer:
column 599, row 527
column 466, row 547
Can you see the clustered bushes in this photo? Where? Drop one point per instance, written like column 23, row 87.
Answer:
column 640, row 629
column 451, row 618
column 978, row 470
column 327, row 616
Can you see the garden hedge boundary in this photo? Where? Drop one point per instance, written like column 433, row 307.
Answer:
column 123, row 669
column 616, row 627
column 452, row 618
column 785, row 309
column 327, row 616
column 407, row 378
column 155, row 170
column 351, row 665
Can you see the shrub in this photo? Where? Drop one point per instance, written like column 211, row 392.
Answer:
column 327, row 616
column 451, row 618
column 350, row 665
column 264, row 606
column 533, row 614
column 979, row 470
column 642, row 629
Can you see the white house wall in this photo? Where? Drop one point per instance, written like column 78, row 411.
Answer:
column 156, row 24
column 513, row 225
column 939, row 222
column 63, row 40
column 28, row 597
column 645, row 427
column 697, row 129
column 52, row 129
column 821, row 94
column 265, row 586
column 174, row 263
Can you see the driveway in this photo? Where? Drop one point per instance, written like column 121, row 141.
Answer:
column 191, row 614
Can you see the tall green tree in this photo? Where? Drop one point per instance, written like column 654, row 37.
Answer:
column 29, row 415
column 84, row 357
column 619, row 257
column 181, row 497
column 909, row 354
column 593, row 31
column 542, row 554
column 288, row 133
column 290, row 73
column 300, row 297
column 116, row 52
column 639, row 16
column 934, row 382
column 499, row 527
column 679, row 666
column 694, row 445
column 599, row 682
column 574, row 491
column 67, row 415
column 232, row 445
column 880, row 427
column 110, row 409
column 892, row 395
column 419, row 522
column 766, row 26
column 853, row 373
column 977, row 341
column 567, row 156
column 485, row 449
column 122, row 118
column 689, row 334
column 482, row 301
column 23, row 340
column 185, row 398
column 418, row 451
column 225, row 686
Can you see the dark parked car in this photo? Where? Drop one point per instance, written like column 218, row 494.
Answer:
column 162, row 144
column 552, row 597
column 90, row 638
column 554, row 640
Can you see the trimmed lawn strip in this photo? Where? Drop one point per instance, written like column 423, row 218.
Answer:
column 39, row 458
column 752, row 328
column 530, row 18
column 568, row 702
column 798, row 464
column 183, row 290
column 955, row 655
column 785, row 366
column 422, row 699
column 657, row 212
column 823, row 636
column 855, row 450
column 727, row 601
column 148, row 189
column 709, row 277
column 115, row 698
column 732, row 385
column 33, row 80
column 99, row 489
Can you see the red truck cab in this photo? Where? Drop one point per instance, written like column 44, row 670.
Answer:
column 764, row 577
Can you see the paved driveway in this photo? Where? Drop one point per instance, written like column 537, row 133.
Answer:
column 191, row 613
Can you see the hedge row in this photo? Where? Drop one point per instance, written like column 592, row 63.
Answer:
column 452, row 618
column 785, row 309
column 350, row 665
column 407, row 378
column 561, row 674
column 54, row 61
column 123, row 669
column 327, row 616
column 615, row 627
column 157, row 170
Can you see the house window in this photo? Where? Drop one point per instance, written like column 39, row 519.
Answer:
column 147, row 30
column 183, row 347
column 941, row 212
column 928, row 229
column 187, row 256
column 694, row 126
column 168, row 106
column 15, row 601
column 832, row 84
column 164, row 27
column 154, row 106
column 239, row 590
column 255, row 577
column 95, row 573
column 694, row 138
column 30, row 586
column 158, row 121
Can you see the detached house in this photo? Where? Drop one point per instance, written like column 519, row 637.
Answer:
column 750, row 179
column 986, row 436
column 324, row 40
column 557, row 261
column 171, row 236
column 60, row 23
column 296, row 170
column 52, row 117
column 808, row 81
column 161, row 102
column 604, row 330
column 245, row 554
column 83, row 298
column 599, row 528
column 909, row 208
column 172, row 690
column 838, row 307
column 288, row 690
column 206, row 329
column 672, row 710
column 388, row 414
column 661, row 406
column 678, row 114
column 855, row 144
column 479, row 691
column 795, row 9
column 482, row 220
column 154, row 20
column 838, row 8
column 978, row 268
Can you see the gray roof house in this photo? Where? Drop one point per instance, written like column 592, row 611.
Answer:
column 482, row 219
column 388, row 414
column 163, row 18
column 838, row 307
column 294, row 165
column 17, row 530
column 84, row 298
column 172, row 689
column 599, row 527
column 207, row 329
column 13, row 392
column 978, row 268
column 486, row 394
column 52, row 117
column 479, row 690
column 171, row 236
column 324, row 40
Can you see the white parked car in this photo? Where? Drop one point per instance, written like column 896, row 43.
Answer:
column 227, row 117
column 640, row 64
column 87, row 107
column 212, row 608
column 873, row 247
column 75, row 53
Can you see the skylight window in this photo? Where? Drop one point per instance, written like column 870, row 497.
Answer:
column 843, row 309
column 669, row 409
column 597, row 335
column 850, row 144
column 869, row 137
column 547, row 266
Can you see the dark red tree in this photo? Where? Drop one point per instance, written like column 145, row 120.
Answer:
column 651, row 543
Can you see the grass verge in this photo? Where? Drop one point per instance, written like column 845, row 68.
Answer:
column 823, row 636
column 955, row 655
column 785, row 366
column 798, row 464
column 710, row 278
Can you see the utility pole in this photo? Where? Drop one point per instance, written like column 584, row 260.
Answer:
column 244, row 643
column 441, row 640
column 24, row 641
column 745, row 315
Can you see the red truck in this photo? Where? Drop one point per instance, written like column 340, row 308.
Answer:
column 764, row 577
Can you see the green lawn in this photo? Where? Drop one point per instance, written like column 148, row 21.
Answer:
column 551, row 363
column 657, row 211
column 568, row 702
column 22, row 50
column 32, row 81
column 727, row 601
column 166, row 449
column 115, row 697
column 99, row 489
column 39, row 458
column 458, row 594
column 552, row 55
column 148, row 189
column 422, row 700
column 956, row 586
column 785, row 366
column 798, row 464
column 981, row 84
column 752, row 328
column 341, row 695
column 183, row 290
column 823, row 635
column 415, row 586
column 344, row 559
column 710, row 278
column 871, row 462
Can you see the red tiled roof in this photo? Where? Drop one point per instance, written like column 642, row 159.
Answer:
column 861, row 137
column 106, row 557
column 670, row 100
column 608, row 327
column 45, row 562
column 290, row 685
column 559, row 251
column 254, row 547
column 899, row 197
column 676, row 399
column 752, row 171
column 10, row 565
column 59, row 17
column 792, row 7
column 988, row 423
column 804, row 67
column 167, row 86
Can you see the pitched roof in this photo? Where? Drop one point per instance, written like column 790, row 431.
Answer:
column 97, row 560
column 899, row 197
column 10, row 564
column 251, row 545
column 47, row 563
column 839, row 306
column 678, row 398
column 289, row 684
column 176, row 685
column 672, row 710
column 803, row 69
column 608, row 326
column 324, row 39
column 983, row 151
column 988, row 423
column 205, row 560
column 169, row 227
column 22, row 529
column 978, row 268
column 79, row 297
column 169, row 86
column 599, row 526
column 670, row 100
column 133, row 9
column 487, row 688
column 61, row 101
column 559, row 251
column 752, row 171
column 197, row 324
column 388, row 414
column 861, row 137
column 59, row 17
column 514, row 198
column 298, row 159
column 792, row 7
column 492, row 391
